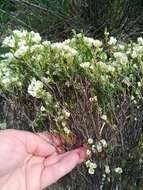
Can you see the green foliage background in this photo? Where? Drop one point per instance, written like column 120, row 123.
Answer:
column 55, row 19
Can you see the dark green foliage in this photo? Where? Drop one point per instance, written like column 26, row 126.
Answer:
column 55, row 19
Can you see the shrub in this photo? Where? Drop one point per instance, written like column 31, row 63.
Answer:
column 87, row 91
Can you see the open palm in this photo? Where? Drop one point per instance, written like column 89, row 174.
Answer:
column 29, row 162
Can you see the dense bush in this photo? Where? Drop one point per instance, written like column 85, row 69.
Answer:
column 105, row 93
column 87, row 91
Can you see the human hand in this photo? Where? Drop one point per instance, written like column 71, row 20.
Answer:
column 28, row 162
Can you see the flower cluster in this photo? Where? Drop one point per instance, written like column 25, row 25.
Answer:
column 98, row 146
column 20, row 42
column 118, row 170
column 35, row 87
column 27, row 46
column 91, row 166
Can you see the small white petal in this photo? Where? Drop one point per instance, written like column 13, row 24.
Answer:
column 107, row 169
column 118, row 170
column 90, row 141
column 91, row 171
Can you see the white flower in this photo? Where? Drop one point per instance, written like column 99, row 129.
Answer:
column 134, row 54
column 139, row 84
column 92, row 99
column 93, row 165
column 99, row 147
column 21, row 34
column 104, row 175
column 22, row 42
column 97, row 43
column 66, row 113
column 36, row 47
column 19, row 83
column 92, row 42
column 35, row 87
column 66, row 130
column 111, row 68
column 72, row 51
column 106, row 33
column 66, row 48
column 93, row 148
column 107, row 169
column 90, row 141
column 85, row 65
column 137, row 51
column 132, row 97
column 42, row 108
column 9, row 42
column 87, row 163
column 35, row 37
column 21, row 51
column 135, row 66
column 118, row 170
column 126, row 81
column 17, row 32
column 46, row 43
column 6, row 80
column 64, row 123
column 58, row 45
column 104, row 117
column 140, row 40
column 91, row 171
column 89, row 41
column 91, row 67
column 108, row 179
column 21, row 37
column 66, row 42
column 112, row 41
column 9, row 56
column 121, row 57
column 140, row 160
column 88, row 152
column 104, row 143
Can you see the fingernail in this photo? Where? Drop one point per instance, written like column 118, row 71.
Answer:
column 60, row 149
column 82, row 154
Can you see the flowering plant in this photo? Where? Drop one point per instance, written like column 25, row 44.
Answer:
column 82, row 89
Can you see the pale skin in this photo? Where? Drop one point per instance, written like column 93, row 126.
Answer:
column 29, row 162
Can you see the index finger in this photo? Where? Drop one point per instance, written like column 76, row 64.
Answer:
column 57, row 170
